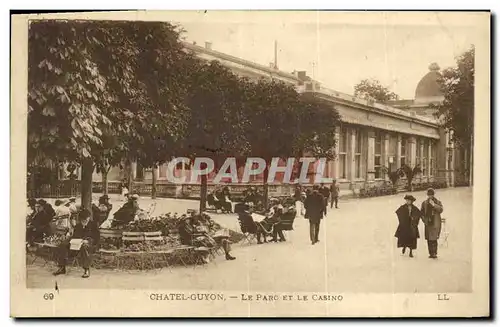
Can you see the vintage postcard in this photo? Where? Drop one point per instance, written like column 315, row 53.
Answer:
column 250, row 164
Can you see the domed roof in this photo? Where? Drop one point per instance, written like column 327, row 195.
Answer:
column 428, row 85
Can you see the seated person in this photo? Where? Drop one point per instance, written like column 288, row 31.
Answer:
column 101, row 211
column 213, row 201
column 127, row 212
column 193, row 232
column 225, row 200
column 88, row 232
column 39, row 225
column 62, row 218
column 251, row 196
column 272, row 220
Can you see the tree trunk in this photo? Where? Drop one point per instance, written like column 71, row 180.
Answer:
column 105, row 186
column 153, row 187
column 130, row 179
column 203, row 193
column 86, row 184
column 266, row 188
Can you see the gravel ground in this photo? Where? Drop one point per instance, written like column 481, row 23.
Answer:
column 357, row 253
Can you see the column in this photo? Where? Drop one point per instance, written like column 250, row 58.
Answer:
column 398, row 152
column 421, row 163
column 337, row 149
column 133, row 167
column 370, row 162
column 385, row 154
column 429, row 148
column 350, row 154
column 412, row 143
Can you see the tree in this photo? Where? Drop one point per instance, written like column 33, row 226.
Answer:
column 95, row 90
column 372, row 89
column 410, row 173
column 216, row 124
column 403, row 171
column 65, row 118
column 457, row 108
column 285, row 124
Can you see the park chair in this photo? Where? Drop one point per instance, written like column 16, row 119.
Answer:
column 287, row 220
column 248, row 226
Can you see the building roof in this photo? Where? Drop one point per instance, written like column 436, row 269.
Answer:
column 314, row 86
column 247, row 63
column 428, row 85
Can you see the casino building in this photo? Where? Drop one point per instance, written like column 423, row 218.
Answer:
column 372, row 135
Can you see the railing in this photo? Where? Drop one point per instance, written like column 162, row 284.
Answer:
column 61, row 189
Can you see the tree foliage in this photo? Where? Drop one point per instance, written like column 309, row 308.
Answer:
column 372, row 89
column 457, row 109
column 106, row 92
column 102, row 91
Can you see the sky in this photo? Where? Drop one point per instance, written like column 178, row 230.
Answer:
column 340, row 49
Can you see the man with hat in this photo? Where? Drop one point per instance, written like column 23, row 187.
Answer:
column 39, row 225
column 315, row 210
column 334, row 191
column 100, row 212
column 431, row 216
column 407, row 232
column 88, row 232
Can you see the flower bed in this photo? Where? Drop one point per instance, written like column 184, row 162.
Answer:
column 146, row 243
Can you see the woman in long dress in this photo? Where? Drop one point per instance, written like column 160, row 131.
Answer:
column 407, row 232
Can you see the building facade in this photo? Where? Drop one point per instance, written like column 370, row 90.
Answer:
column 373, row 138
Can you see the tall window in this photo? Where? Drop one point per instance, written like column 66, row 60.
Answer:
column 357, row 154
column 378, row 155
column 425, row 170
column 162, row 171
column 417, row 153
column 432, row 156
column 403, row 151
column 343, row 153
column 139, row 172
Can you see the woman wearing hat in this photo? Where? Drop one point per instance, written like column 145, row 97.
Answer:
column 431, row 216
column 407, row 232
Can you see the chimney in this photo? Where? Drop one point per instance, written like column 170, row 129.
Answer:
column 208, row 45
column 302, row 75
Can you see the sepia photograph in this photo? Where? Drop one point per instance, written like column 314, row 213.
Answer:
column 251, row 164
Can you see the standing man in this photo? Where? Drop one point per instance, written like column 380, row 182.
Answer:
column 431, row 215
column 325, row 191
column 334, row 191
column 315, row 208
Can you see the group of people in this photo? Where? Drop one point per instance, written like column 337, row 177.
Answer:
column 314, row 205
column 275, row 218
column 196, row 230
column 220, row 199
column 68, row 221
column 409, row 217
column 328, row 192
column 42, row 218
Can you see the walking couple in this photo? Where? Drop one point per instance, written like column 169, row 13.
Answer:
column 409, row 216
